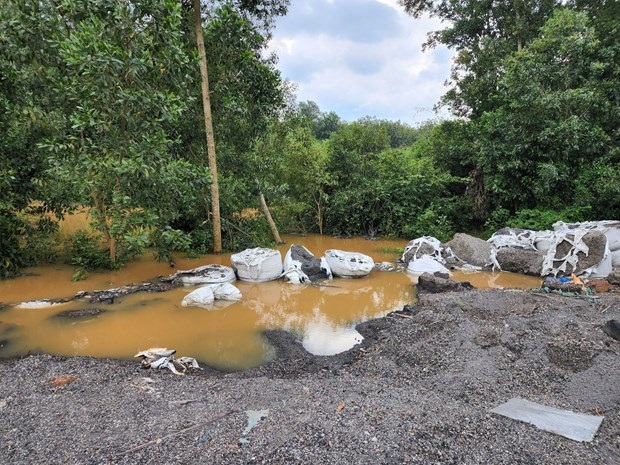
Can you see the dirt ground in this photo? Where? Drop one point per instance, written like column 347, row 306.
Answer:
column 419, row 389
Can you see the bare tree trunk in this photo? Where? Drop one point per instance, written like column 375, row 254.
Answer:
column 272, row 224
column 319, row 213
column 518, row 29
column 477, row 192
column 206, row 105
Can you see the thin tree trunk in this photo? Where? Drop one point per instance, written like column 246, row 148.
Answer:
column 477, row 192
column 272, row 224
column 319, row 214
column 206, row 105
column 518, row 29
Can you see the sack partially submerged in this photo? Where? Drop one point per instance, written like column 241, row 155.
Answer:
column 257, row 265
column 349, row 264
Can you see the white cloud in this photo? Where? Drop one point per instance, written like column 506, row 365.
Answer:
column 361, row 58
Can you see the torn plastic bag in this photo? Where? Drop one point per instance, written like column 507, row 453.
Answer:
column 300, row 265
column 425, row 245
column 207, row 274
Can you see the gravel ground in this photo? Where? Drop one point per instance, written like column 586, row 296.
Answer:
column 419, row 389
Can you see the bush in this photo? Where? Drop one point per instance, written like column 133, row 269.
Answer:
column 535, row 219
column 167, row 240
column 431, row 223
column 84, row 250
column 11, row 258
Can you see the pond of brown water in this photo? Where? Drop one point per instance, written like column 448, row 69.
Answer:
column 229, row 338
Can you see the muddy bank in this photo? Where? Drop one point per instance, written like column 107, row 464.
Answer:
column 419, row 389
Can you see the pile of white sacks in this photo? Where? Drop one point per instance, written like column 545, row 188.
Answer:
column 588, row 249
column 262, row 264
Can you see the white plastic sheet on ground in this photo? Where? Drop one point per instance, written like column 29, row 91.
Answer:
column 576, row 426
column 258, row 265
column 518, row 239
column 349, row 264
column 36, row 304
column 161, row 357
column 571, row 258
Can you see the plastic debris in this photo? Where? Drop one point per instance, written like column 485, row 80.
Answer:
column 424, row 243
column 426, row 264
column 575, row 426
column 294, row 274
column 205, row 296
column 161, row 357
column 254, row 416
column 424, row 255
column 199, row 298
column 566, row 237
column 564, row 283
column 207, row 274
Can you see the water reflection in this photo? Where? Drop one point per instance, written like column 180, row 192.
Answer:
column 230, row 338
column 322, row 337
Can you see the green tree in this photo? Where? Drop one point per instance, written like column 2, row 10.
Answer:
column 352, row 148
column 452, row 146
column 246, row 93
column 380, row 190
column 122, row 72
column 322, row 124
column 26, row 116
column 482, row 32
column 304, row 172
column 555, row 121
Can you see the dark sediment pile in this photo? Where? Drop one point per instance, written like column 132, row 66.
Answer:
column 419, row 389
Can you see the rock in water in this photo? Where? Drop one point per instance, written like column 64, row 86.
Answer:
column 470, row 249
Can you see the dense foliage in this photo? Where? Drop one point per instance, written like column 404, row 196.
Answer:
column 539, row 83
column 100, row 109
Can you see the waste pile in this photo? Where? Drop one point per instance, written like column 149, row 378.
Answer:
column 588, row 250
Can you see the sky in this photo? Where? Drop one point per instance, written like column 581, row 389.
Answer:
column 361, row 58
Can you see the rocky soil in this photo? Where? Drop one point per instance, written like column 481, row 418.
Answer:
column 419, row 389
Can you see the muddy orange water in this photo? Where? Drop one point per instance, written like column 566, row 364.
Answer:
column 228, row 338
